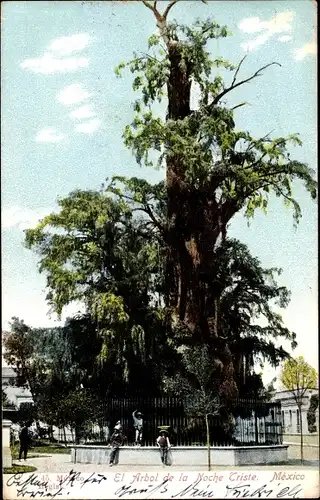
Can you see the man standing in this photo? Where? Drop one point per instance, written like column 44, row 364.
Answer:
column 24, row 438
column 138, row 425
column 164, row 445
column 116, row 440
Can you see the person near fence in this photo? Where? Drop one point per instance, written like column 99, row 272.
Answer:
column 138, row 425
column 25, row 439
column 118, row 426
column 116, row 440
column 164, row 445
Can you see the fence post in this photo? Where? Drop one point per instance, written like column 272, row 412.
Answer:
column 256, row 426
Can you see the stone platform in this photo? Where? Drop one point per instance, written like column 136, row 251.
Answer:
column 6, row 452
column 183, row 455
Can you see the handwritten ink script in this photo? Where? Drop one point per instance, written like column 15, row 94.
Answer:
column 174, row 485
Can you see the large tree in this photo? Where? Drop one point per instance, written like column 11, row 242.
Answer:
column 97, row 251
column 112, row 352
column 213, row 170
column 102, row 254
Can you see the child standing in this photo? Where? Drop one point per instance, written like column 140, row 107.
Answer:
column 116, row 440
column 164, row 445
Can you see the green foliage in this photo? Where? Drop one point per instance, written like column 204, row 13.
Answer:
column 248, row 294
column 125, row 295
column 20, row 353
column 298, row 376
column 198, row 387
column 113, row 250
column 98, row 250
column 212, row 153
column 27, row 413
column 311, row 415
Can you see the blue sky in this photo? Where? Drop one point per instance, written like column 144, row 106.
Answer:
column 64, row 110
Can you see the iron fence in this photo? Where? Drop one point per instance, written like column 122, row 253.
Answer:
column 243, row 422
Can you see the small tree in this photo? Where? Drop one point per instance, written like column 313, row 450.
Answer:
column 77, row 411
column 198, row 388
column 298, row 377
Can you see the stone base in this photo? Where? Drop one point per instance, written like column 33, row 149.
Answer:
column 183, row 455
column 6, row 451
column 6, row 457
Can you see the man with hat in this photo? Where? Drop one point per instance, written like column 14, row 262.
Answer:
column 164, row 445
column 138, row 425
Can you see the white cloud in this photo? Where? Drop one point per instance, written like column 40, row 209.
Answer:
column 68, row 44
column 284, row 38
column 49, row 135
column 254, row 44
column 307, row 49
column 73, row 94
column 280, row 23
column 88, row 127
column 53, row 60
column 251, row 25
column 22, row 218
column 83, row 112
column 49, row 64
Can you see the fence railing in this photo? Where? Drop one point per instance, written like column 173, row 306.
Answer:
column 244, row 422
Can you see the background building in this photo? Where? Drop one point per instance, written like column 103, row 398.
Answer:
column 290, row 411
column 16, row 395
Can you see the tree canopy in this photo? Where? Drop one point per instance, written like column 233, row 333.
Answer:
column 133, row 344
column 212, row 169
column 298, row 377
column 152, row 262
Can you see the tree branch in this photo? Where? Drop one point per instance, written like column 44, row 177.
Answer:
column 166, row 12
column 239, row 105
column 235, row 85
column 237, row 70
column 148, row 5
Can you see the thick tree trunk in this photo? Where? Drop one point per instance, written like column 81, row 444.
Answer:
column 195, row 221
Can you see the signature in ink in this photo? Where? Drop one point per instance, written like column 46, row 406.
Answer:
column 130, row 490
column 194, row 492
column 246, row 491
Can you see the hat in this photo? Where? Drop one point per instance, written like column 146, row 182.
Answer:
column 163, row 431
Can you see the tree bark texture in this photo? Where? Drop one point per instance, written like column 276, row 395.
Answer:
column 195, row 221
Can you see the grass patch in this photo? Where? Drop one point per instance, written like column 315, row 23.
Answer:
column 19, row 469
